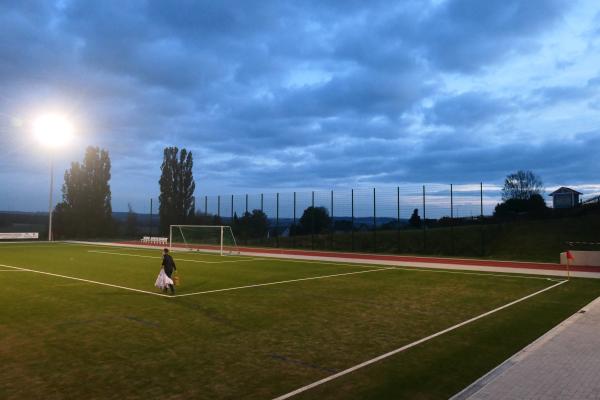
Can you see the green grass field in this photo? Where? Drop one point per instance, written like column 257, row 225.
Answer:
column 242, row 327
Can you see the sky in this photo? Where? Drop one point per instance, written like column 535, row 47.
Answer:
column 286, row 95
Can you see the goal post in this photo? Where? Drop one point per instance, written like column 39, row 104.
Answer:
column 210, row 238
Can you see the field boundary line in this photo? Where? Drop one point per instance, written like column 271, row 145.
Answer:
column 84, row 280
column 450, row 268
column 413, row 344
column 411, row 269
column 178, row 259
column 443, row 271
column 281, row 282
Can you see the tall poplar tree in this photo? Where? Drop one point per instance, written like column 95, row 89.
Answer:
column 176, row 188
column 85, row 210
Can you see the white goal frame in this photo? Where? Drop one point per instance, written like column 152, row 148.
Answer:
column 221, row 229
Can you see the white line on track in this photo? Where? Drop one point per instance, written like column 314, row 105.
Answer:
column 281, row 282
column 410, row 345
column 11, row 270
column 178, row 259
column 84, row 280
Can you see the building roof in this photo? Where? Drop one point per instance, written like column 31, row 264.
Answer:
column 562, row 190
column 595, row 199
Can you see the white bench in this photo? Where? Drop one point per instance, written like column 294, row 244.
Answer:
column 153, row 240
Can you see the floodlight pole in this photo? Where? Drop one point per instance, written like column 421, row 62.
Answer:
column 50, row 199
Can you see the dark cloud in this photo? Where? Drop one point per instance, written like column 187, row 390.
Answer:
column 283, row 94
column 466, row 35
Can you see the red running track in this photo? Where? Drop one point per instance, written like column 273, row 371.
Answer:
column 389, row 257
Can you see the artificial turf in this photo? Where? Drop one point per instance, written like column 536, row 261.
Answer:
column 63, row 338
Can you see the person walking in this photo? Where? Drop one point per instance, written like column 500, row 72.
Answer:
column 169, row 267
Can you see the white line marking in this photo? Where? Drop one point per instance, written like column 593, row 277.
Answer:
column 19, row 269
column 84, row 280
column 281, row 282
column 160, row 258
column 413, row 344
column 416, row 269
column 11, row 270
column 308, row 261
column 412, row 269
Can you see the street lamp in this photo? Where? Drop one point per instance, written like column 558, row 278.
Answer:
column 52, row 131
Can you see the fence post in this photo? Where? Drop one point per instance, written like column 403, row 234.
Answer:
column 424, row 223
column 452, row 218
column 277, row 223
column 481, row 218
column 312, row 223
column 150, row 216
column 332, row 222
column 294, row 224
column 352, row 230
column 374, row 222
column 398, row 216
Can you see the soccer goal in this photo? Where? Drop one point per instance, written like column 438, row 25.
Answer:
column 214, row 239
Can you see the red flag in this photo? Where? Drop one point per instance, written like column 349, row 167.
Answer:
column 570, row 256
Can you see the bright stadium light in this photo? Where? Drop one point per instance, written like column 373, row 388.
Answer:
column 52, row 131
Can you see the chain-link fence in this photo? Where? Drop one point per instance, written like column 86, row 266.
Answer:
column 410, row 219
column 447, row 219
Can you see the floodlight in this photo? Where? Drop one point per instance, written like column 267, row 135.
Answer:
column 53, row 130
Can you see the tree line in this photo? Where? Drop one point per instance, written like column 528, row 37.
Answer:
column 86, row 212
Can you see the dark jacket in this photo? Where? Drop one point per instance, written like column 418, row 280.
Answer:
column 168, row 265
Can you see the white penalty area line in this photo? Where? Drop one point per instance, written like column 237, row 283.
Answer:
column 83, row 280
column 282, row 282
column 410, row 345
column 20, row 269
column 178, row 259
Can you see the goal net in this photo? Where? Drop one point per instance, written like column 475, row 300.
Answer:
column 215, row 239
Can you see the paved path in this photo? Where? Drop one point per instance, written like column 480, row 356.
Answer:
column 562, row 364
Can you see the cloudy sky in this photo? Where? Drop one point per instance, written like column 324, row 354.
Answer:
column 281, row 95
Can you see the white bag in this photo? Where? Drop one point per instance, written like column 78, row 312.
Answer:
column 163, row 281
